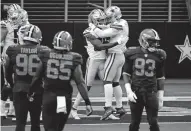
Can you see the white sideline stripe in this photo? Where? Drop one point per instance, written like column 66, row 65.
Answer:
column 102, row 124
column 167, row 98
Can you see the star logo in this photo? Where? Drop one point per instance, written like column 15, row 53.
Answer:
column 185, row 50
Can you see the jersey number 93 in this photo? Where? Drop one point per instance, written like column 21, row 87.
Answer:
column 140, row 66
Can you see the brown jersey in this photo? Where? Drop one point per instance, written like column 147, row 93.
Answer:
column 144, row 67
column 58, row 69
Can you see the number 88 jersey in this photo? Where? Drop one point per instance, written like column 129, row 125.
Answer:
column 58, row 69
column 144, row 67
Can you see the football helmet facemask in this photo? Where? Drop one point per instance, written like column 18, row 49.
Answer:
column 62, row 41
column 96, row 17
column 149, row 39
column 30, row 33
column 113, row 13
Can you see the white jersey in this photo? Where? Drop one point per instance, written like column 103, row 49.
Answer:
column 118, row 32
column 90, row 48
column 11, row 37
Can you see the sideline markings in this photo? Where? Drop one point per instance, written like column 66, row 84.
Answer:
column 103, row 124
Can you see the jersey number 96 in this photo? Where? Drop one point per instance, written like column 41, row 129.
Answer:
column 26, row 64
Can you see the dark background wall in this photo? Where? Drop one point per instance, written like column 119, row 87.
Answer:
column 171, row 34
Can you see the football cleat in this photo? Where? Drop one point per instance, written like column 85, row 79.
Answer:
column 120, row 112
column 74, row 114
column 112, row 117
column 107, row 113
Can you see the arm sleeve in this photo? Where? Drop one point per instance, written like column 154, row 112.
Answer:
column 106, row 33
column 128, row 67
column 160, row 73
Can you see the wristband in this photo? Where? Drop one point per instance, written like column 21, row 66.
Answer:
column 128, row 88
column 87, row 101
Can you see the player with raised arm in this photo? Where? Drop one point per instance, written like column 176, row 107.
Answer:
column 8, row 37
column 117, row 31
column 144, row 78
column 58, row 67
column 22, row 61
column 96, row 50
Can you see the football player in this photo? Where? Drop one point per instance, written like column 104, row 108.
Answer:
column 8, row 37
column 97, row 55
column 17, row 17
column 22, row 61
column 144, row 78
column 117, row 31
column 59, row 65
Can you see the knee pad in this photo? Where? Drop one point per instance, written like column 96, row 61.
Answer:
column 114, row 84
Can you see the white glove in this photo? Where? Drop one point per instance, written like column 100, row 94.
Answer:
column 160, row 94
column 130, row 94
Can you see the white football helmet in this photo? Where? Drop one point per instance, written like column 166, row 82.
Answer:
column 24, row 16
column 113, row 13
column 62, row 41
column 96, row 17
column 149, row 39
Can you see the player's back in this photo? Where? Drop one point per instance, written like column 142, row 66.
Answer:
column 25, row 60
column 122, row 37
column 59, row 67
column 90, row 48
column 145, row 67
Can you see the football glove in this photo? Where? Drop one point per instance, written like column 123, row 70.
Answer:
column 131, row 96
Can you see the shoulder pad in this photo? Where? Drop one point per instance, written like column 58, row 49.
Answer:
column 11, row 49
column 131, row 51
column 45, row 47
column 77, row 58
column 162, row 54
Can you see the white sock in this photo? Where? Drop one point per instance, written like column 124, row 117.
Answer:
column 2, row 106
column 77, row 101
column 108, row 94
column 118, row 95
column 11, row 107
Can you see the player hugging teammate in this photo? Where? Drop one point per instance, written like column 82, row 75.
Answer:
column 143, row 71
column 30, row 64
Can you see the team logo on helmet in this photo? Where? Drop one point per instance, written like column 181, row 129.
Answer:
column 62, row 41
column 30, row 33
column 149, row 39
